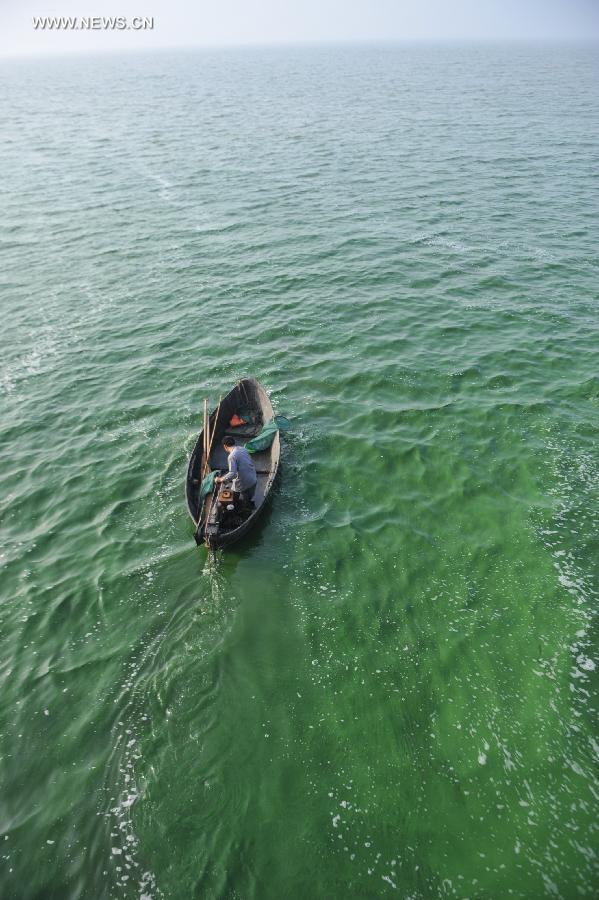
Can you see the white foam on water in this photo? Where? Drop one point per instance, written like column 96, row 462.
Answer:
column 575, row 478
column 33, row 362
column 53, row 340
column 125, row 841
column 165, row 186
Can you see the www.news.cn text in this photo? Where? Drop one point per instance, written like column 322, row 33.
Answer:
column 93, row 23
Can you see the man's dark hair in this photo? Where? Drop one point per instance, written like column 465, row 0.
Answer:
column 228, row 442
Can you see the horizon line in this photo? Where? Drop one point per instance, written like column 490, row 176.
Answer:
column 307, row 43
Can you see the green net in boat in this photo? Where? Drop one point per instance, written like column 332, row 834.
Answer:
column 207, row 485
column 266, row 436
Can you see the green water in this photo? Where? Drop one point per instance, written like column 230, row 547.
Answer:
column 389, row 688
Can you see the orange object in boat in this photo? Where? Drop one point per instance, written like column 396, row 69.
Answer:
column 236, row 420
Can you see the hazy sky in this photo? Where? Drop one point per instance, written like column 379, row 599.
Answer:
column 218, row 22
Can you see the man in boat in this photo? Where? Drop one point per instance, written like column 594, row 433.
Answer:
column 242, row 471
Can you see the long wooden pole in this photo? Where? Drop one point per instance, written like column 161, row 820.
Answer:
column 212, row 436
column 207, row 459
column 206, row 425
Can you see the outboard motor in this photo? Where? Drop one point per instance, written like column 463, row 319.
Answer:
column 224, row 513
column 226, row 508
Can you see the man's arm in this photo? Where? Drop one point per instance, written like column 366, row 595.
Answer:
column 232, row 468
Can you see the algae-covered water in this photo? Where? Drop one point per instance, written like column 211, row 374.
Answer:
column 389, row 688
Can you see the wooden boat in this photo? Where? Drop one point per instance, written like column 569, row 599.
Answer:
column 248, row 394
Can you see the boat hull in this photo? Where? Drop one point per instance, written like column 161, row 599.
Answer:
column 247, row 394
